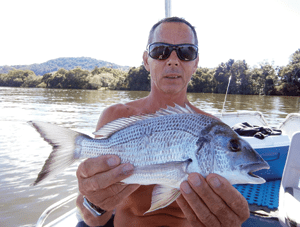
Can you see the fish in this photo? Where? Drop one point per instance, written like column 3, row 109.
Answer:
column 164, row 148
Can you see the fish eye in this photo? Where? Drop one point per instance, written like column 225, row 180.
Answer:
column 234, row 145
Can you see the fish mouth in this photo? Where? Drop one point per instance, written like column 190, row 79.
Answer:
column 249, row 169
column 253, row 175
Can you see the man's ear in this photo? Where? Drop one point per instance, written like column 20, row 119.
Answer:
column 145, row 60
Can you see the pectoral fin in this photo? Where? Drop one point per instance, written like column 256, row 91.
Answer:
column 163, row 196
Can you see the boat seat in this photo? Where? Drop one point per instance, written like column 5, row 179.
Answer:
column 289, row 195
column 291, row 124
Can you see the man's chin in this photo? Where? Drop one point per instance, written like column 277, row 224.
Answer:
column 174, row 89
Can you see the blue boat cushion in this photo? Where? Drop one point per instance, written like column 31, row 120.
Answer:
column 265, row 195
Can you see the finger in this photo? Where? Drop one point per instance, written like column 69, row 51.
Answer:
column 188, row 212
column 214, row 203
column 99, row 164
column 104, row 179
column 114, row 195
column 201, row 210
column 230, row 195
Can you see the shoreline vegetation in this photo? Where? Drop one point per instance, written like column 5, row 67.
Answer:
column 266, row 79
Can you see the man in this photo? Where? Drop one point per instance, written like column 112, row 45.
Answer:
column 204, row 202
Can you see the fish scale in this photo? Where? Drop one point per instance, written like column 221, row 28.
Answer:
column 163, row 148
column 154, row 151
column 149, row 139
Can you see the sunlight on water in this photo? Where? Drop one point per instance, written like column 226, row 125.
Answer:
column 23, row 151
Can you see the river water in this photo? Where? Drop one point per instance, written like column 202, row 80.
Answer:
column 23, row 151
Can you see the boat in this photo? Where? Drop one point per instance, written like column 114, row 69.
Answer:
column 68, row 219
column 276, row 202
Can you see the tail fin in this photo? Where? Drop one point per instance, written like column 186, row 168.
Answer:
column 63, row 154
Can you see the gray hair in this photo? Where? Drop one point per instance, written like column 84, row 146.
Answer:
column 172, row 19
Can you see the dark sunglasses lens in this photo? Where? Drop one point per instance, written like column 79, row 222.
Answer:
column 187, row 53
column 159, row 51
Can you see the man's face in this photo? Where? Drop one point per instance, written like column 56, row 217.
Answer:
column 171, row 75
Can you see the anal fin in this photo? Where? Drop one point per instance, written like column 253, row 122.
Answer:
column 163, row 196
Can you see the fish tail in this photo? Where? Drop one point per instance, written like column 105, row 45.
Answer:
column 63, row 154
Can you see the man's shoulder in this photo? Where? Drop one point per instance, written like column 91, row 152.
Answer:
column 119, row 110
column 126, row 109
column 202, row 112
column 122, row 110
column 114, row 112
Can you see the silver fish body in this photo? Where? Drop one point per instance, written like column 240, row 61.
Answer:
column 163, row 147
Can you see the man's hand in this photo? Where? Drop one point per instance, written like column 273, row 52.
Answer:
column 99, row 180
column 212, row 202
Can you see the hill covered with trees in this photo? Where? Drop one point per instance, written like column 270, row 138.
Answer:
column 65, row 63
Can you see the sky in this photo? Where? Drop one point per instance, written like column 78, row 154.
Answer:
column 35, row 31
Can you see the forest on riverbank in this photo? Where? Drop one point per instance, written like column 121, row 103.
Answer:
column 266, row 79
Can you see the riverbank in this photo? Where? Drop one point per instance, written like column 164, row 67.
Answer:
column 264, row 80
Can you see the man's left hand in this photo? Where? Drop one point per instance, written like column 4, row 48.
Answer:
column 212, row 202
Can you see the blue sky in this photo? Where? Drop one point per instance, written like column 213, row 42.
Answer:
column 35, row 31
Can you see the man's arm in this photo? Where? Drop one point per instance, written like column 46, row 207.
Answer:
column 98, row 178
column 212, row 202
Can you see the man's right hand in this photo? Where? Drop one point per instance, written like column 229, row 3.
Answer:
column 99, row 181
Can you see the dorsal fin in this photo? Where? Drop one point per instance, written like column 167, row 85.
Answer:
column 121, row 123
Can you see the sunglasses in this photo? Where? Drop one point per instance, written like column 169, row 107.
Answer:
column 161, row 51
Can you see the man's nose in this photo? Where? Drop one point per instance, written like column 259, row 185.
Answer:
column 173, row 60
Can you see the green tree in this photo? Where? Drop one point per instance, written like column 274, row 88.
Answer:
column 46, row 78
column 138, row 79
column 56, row 80
column 295, row 58
column 202, row 81
column 75, row 79
column 32, row 80
column 221, row 76
column 242, row 82
column 237, row 72
column 269, row 77
column 16, row 77
column 290, row 76
column 257, row 81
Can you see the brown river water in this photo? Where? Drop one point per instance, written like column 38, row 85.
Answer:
column 23, row 151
